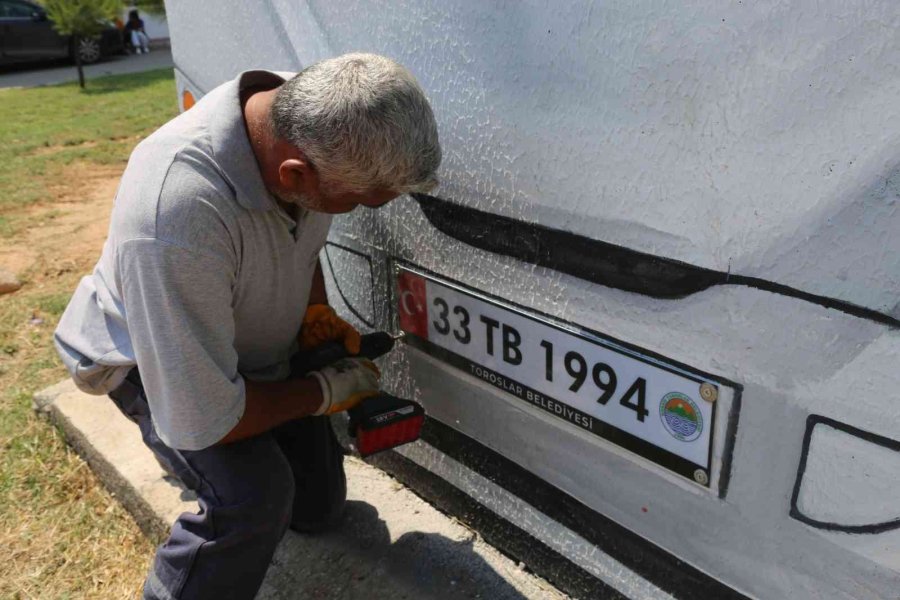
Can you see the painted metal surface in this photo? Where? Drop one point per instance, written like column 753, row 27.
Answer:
column 759, row 139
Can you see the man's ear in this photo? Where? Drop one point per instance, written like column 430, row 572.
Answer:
column 298, row 175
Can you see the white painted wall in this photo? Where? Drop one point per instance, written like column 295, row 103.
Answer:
column 749, row 136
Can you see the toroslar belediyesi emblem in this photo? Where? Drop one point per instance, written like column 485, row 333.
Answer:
column 681, row 416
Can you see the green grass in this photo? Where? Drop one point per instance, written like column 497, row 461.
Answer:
column 62, row 534
column 45, row 129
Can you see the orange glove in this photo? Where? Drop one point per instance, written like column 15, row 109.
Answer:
column 321, row 324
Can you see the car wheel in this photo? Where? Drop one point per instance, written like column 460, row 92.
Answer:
column 88, row 50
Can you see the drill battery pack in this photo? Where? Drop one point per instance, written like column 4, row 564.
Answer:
column 383, row 422
column 380, row 422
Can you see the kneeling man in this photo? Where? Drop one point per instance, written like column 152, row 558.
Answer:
column 209, row 282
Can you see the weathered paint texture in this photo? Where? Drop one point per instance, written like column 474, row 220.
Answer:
column 756, row 138
column 748, row 136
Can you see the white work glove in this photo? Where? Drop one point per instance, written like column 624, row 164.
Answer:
column 345, row 383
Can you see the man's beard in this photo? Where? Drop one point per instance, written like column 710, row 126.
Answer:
column 303, row 201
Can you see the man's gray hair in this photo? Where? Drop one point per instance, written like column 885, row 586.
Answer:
column 364, row 123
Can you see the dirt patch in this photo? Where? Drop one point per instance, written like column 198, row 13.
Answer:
column 57, row 148
column 67, row 232
column 68, row 537
column 49, row 150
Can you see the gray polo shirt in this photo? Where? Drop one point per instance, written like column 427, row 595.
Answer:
column 203, row 279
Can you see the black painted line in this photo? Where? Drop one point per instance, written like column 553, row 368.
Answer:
column 602, row 262
column 368, row 259
column 825, row 301
column 713, row 419
column 337, row 284
column 811, row 422
column 665, row 570
column 731, row 431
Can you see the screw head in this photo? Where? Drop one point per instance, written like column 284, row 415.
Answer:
column 709, row 392
column 701, row 477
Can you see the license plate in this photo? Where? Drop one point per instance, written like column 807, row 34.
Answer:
column 656, row 408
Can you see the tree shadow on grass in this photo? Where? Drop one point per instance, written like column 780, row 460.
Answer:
column 112, row 84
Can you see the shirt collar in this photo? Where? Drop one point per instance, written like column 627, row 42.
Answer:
column 230, row 144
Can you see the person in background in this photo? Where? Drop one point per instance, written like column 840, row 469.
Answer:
column 135, row 28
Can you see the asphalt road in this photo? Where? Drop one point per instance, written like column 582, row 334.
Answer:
column 33, row 75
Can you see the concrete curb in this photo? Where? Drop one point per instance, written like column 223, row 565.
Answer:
column 392, row 544
column 74, row 413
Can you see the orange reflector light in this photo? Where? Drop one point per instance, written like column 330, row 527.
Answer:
column 187, row 99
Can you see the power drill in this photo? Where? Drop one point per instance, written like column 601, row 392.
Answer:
column 377, row 423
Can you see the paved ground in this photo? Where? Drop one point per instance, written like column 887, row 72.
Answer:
column 59, row 72
column 392, row 544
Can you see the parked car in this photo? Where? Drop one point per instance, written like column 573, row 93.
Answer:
column 653, row 309
column 26, row 35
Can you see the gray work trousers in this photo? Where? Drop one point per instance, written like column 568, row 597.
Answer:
column 249, row 493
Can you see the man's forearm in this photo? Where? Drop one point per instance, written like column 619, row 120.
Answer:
column 268, row 404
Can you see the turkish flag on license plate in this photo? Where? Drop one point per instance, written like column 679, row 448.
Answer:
column 413, row 306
